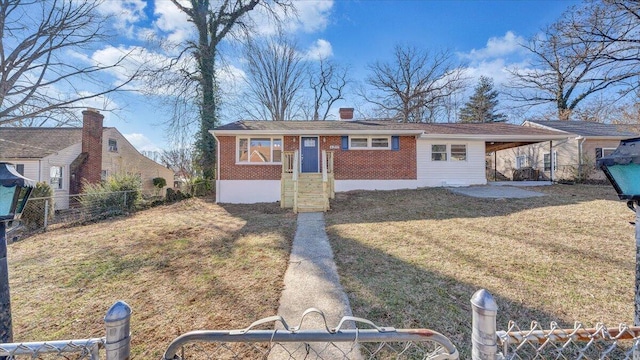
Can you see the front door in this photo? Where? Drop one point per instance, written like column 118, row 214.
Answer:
column 309, row 156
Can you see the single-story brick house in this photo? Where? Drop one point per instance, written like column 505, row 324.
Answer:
column 574, row 157
column 297, row 162
column 65, row 156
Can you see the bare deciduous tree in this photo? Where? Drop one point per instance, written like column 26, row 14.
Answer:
column 328, row 82
column 40, row 81
column 181, row 161
column 413, row 85
column 571, row 62
column 276, row 74
column 213, row 20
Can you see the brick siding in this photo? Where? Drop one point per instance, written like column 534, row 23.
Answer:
column 230, row 171
column 348, row 164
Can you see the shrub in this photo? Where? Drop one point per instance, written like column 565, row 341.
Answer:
column 33, row 213
column 174, row 196
column 119, row 193
column 199, row 187
column 159, row 182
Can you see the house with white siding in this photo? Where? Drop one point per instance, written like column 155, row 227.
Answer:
column 303, row 163
column 65, row 157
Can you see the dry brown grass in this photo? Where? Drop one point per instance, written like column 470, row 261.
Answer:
column 415, row 258
column 187, row 266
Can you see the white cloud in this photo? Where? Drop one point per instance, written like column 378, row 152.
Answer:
column 496, row 47
column 313, row 15
column 321, row 49
column 173, row 21
column 125, row 13
column 141, row 142
column 309, row 17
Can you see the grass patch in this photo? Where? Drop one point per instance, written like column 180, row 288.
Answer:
column 187, row 266
column 415, row 258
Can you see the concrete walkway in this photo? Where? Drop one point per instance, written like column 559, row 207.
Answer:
column 311, row 280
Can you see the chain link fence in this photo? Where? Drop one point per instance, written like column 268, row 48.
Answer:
column 88, row 349
column 43, row 213
column 536, row 342
column 341, row 342
column 115, row 344
column 579, row 342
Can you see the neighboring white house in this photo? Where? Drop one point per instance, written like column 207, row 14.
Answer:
column 63, row 157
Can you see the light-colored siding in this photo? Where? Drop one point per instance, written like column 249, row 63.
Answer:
column 61, row 158
column 451, row 172
column 128, row 160
column 31, row 168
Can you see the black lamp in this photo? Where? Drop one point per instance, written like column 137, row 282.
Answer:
column 14, row 193
column 622, row 168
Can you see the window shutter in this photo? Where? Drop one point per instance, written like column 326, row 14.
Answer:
column 598, row 153
column 395, row 143
column 345, row 143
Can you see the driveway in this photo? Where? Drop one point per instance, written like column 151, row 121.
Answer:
column 497, row 192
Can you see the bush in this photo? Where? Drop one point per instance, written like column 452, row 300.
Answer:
column 174, row 196
column 200, row 187
column 159, row 182
column 119, row 193
column 33, row 213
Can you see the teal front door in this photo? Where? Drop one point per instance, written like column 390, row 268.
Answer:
column 309, row 156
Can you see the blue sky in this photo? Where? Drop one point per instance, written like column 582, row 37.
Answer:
column 484, row 35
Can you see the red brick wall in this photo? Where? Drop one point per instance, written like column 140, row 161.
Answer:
column 348, row 164
column 91, row 169
column 373, row 164
column 230, row 171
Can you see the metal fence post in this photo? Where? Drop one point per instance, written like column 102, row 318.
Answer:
column 6, row 331
column 483, row 336
column 46, row 214
column 118, row 339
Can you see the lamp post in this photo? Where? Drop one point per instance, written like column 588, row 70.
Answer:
column 622, row 168
column 14, row 193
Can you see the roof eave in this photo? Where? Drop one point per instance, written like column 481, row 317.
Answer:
column 495, row 137
column 315, row 132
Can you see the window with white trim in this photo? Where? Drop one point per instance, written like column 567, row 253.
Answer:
column 55, row 177
column 459, row 152
column 547, row 161
column 607, row 151
column 370, row 142
column 259, row 150
column 113, row 145
column 438, row 152
column 521, row 161
column 20, row 169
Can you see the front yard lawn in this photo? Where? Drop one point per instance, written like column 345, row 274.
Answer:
column 188, row 266
column 415, row 258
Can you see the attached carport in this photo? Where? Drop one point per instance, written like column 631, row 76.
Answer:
column 495, row 144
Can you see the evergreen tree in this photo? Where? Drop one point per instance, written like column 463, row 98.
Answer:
column 481, row 106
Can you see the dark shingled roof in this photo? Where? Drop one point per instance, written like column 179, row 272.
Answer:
column 586, row 128
column 36, row 143
column 378, row 125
